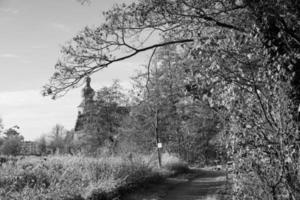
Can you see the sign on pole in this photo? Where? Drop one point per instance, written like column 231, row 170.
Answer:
column 159, row 145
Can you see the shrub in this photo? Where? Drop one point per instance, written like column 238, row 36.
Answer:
column 70, row 177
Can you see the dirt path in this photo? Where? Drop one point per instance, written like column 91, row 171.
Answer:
column 198, row 189
column 204, row 185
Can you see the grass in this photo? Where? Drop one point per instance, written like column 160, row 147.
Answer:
column 78, row 178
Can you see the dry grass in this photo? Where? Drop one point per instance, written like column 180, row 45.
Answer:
column 77, row 178
column 69, row 177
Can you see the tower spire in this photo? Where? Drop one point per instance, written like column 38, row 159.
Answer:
column 88, row 81
column 87, row 92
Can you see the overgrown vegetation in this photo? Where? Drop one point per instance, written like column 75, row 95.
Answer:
column 222, row 80
column 11, row 142
column 71, row 177
column 240, row 57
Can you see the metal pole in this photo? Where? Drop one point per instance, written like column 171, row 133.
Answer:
column 156, row 118
column 157, row 138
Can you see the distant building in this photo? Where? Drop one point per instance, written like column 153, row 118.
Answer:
column 30, row 148
column 89, row 120
column 87, row 105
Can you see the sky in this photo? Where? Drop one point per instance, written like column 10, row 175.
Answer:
column 31, row 35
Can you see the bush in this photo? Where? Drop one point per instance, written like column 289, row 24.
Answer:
column 72, row 177
column 11, row 146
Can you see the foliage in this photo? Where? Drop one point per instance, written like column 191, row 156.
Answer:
column 11, row 142
column 11, row 146
column 162, row 111
column 73, row 177
column 102, row 121
column 243, row 57
column 42, row 144
column 59, row 141
column 128, row 28
column 57, row 136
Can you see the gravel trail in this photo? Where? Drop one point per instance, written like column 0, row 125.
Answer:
column 203, row 185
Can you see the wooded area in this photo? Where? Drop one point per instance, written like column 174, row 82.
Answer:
column 222, row 84
column 238, row 58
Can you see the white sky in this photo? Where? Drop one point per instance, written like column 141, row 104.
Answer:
column 31, row 34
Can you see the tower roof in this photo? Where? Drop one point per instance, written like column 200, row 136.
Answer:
column 88, row 92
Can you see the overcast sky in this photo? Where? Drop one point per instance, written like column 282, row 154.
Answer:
column 31, row 34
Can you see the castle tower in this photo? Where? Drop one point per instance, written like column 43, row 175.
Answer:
column 87, row 104
column 88, row 95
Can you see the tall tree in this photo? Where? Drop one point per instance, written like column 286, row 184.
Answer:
column 57, row 136
column 101, row 123
column 12, row 142
column 163, row 112
column 244, row 57
column 42, row 144
column 181, row 21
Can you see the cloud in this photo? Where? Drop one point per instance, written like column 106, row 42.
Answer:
column 9, row 11
column 15, row 58
column 39, row 47
column 36, row 114
column 8, row 55
column 26, row 61
column 60, row 27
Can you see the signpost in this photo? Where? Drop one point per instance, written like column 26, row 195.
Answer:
column 159, row 145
